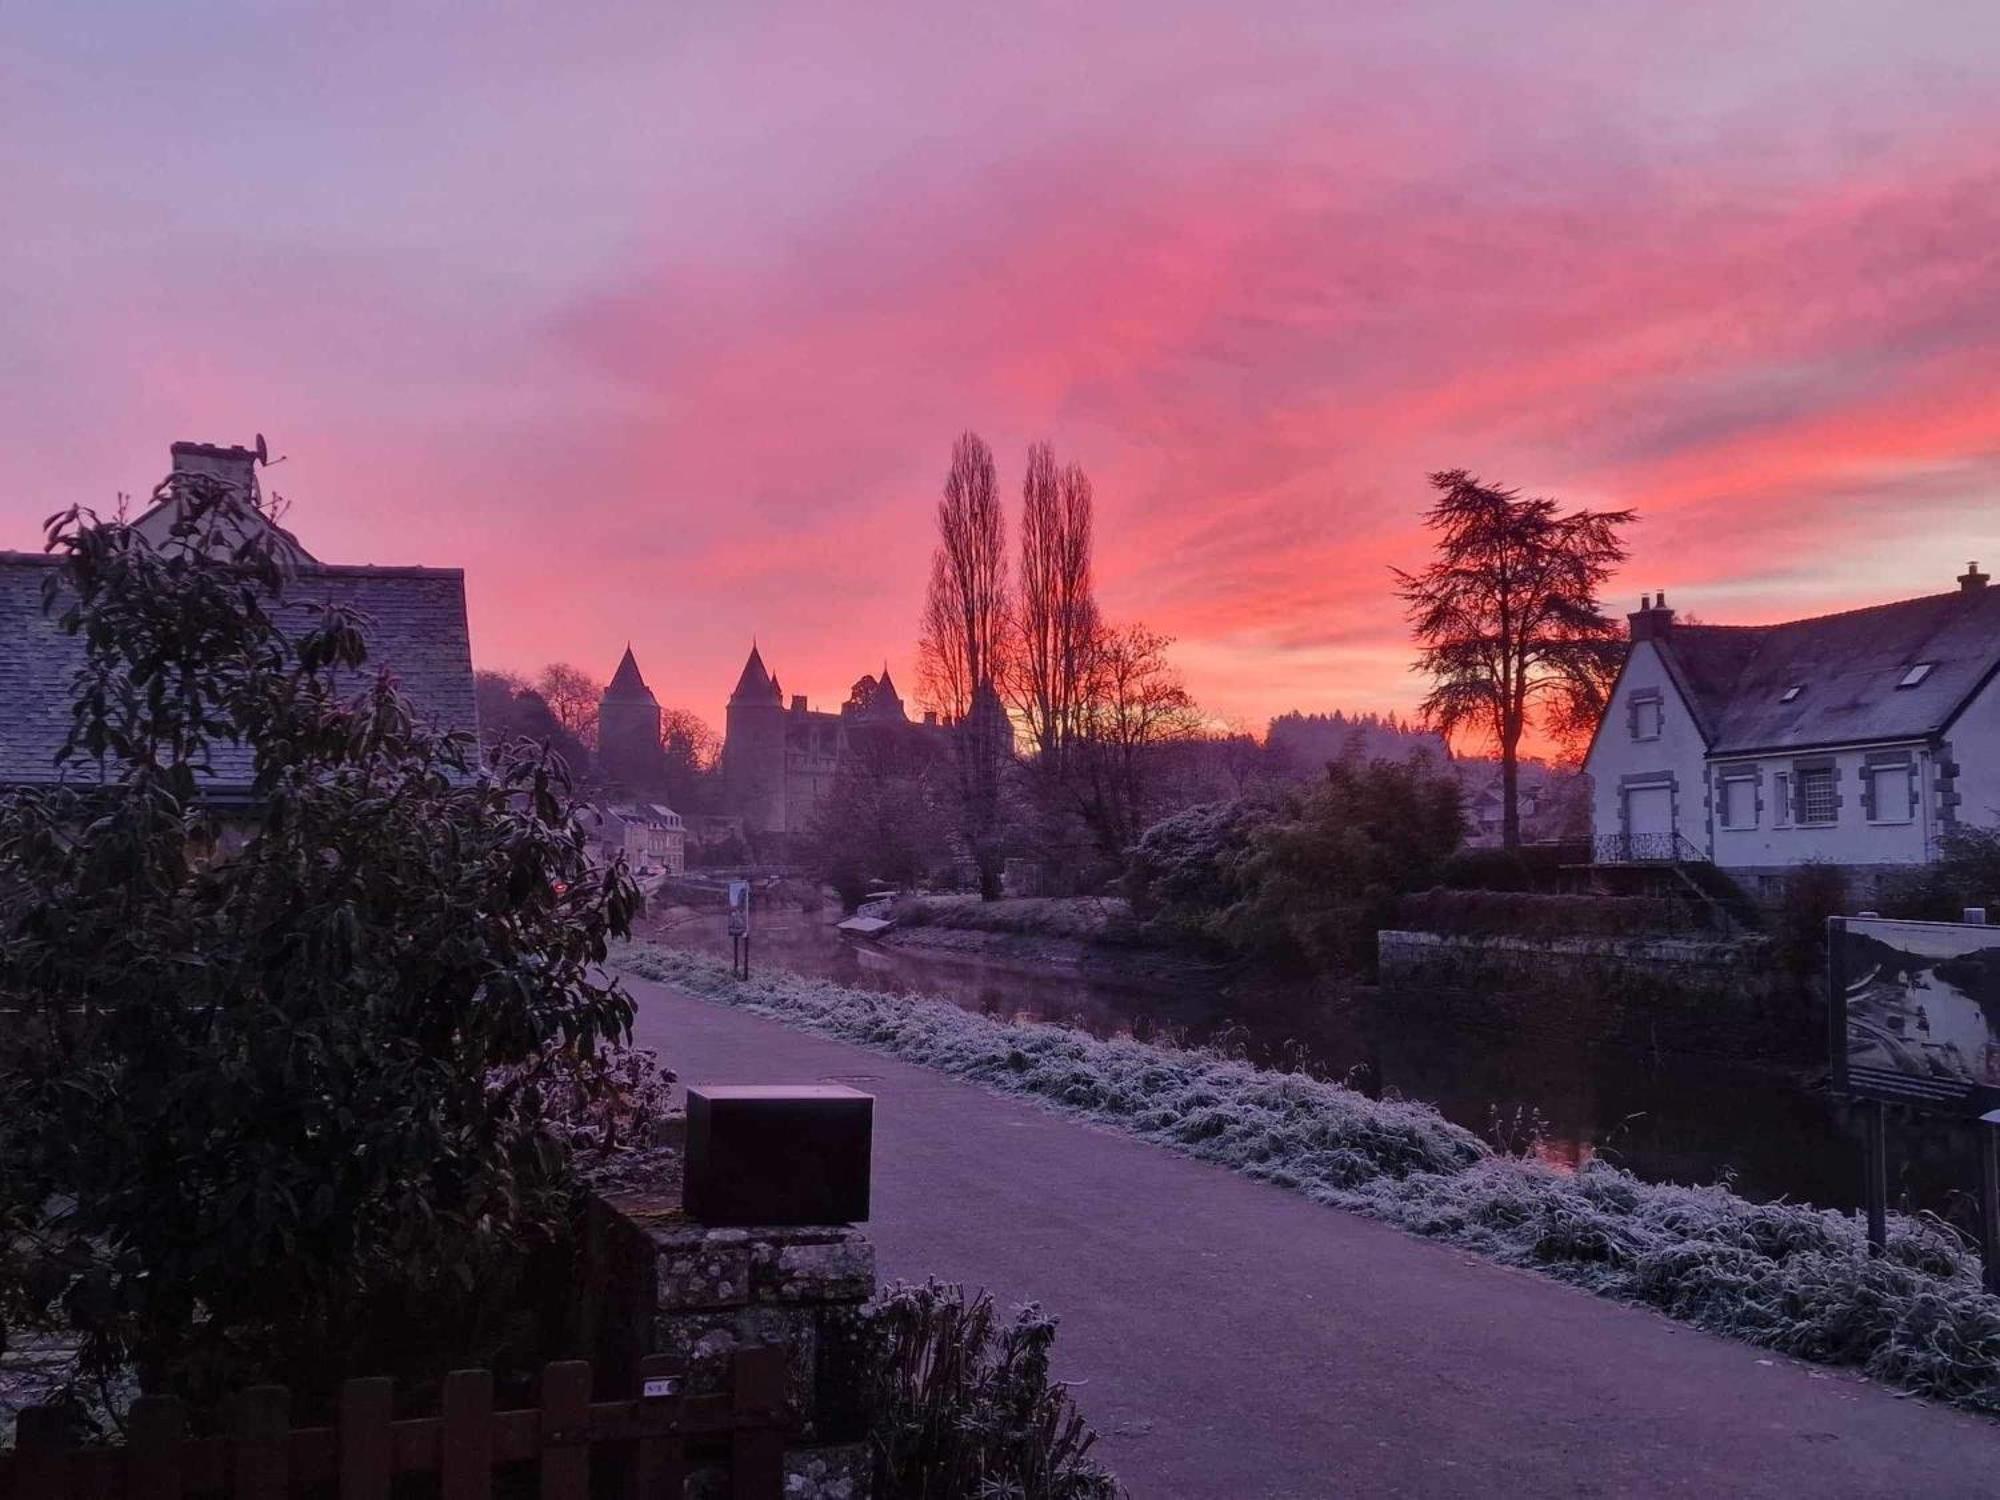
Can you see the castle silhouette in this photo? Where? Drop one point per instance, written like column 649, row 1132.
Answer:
column 779, row 760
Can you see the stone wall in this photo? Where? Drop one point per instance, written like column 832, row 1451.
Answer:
column 1725, row 998
column 658, row 1283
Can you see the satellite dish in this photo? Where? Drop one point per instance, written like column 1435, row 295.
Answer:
column 263, row 453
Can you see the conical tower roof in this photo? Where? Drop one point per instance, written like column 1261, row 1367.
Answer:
column 626, row 681
column 755, row 685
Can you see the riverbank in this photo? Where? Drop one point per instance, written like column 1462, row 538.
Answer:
column 1787, row 1277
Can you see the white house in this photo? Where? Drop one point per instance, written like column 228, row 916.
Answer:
column 1857, row 739
column 650, row 835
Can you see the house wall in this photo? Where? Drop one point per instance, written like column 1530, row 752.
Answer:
column 1972, row 750
column 648, row 846
column 1853, row 839
column 1678, row 754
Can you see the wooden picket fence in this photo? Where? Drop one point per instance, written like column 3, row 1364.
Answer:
column 575, row 1448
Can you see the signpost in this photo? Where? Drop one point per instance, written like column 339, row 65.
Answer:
column 1915, row 1020
column 739, row 928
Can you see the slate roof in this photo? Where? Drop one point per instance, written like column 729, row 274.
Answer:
column 415, row 624
column 755, row 685
column 1735, row 676
column 627, row 683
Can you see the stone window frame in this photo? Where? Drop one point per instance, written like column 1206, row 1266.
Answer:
column 1812, row 765
column 1748, row 771
column 1640, row 698
column 1945, row 773
column 1878, row 760
column 1638, row 781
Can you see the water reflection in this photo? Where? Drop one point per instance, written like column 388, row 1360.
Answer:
column 1568, row 1099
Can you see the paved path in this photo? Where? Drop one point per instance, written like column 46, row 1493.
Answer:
column 1236, row 1341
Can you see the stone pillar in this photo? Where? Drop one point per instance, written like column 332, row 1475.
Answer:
column 661, row 1284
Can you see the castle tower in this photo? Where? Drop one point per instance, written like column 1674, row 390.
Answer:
column 753, row 749
column 628, row 728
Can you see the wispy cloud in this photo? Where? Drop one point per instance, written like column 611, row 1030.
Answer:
column 663, row 327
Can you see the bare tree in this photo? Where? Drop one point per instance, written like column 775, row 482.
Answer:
column 964, row 641
column 689, row 753
column 571, row 694
column 1135, row 707
column 1056, row 614
column 1508, row 619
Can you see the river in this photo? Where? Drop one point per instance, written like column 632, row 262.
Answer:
column 1666, row 1117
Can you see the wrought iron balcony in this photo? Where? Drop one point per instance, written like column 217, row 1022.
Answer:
column 1645, row 849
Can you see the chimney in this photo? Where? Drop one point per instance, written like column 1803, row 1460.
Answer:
column 235, row 467
column 1653, row 619
column 930, row 717
column 1971, row 581
column 798, row 703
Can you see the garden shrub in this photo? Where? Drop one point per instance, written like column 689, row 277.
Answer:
column 1306, row 876
column 964, row 1405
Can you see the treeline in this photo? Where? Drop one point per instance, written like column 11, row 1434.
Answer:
column 1303, row 744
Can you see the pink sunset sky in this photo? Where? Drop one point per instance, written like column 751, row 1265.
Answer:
column 660, row 319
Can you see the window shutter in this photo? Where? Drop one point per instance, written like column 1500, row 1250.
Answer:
column 1868, row 782
column 1632, row 716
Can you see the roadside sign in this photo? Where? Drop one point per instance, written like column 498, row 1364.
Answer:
column 739, row 908
column 1916, row 1013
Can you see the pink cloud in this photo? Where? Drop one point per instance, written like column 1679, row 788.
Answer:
column 666, row 337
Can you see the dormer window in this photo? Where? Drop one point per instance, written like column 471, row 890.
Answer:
column 1790, row 694
column 1916, row 674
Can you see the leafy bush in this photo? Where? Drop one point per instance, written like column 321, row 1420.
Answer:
column 248, row 1132
column 1320, row 881
column 964, row 1405
column 1185, row 869
column 1306, row 875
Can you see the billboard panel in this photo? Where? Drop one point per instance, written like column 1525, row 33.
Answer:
column 1916, row 1012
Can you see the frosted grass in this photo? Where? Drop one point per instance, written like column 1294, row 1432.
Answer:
column 1789, row 1277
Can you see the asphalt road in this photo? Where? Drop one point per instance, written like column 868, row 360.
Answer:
column 1231, row 1339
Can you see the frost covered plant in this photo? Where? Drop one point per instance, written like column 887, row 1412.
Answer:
column 1284, row 1127
column 598, row 1102
column 1789, row 1277
column 965, row 1408
column 1519, row 1131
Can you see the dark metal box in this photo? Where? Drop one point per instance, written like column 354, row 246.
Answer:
column 777, row 1154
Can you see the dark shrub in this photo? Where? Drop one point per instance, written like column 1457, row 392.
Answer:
column 1532, row 867
column 1812, row 892
column 1530, row 915
column 965, row 1408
